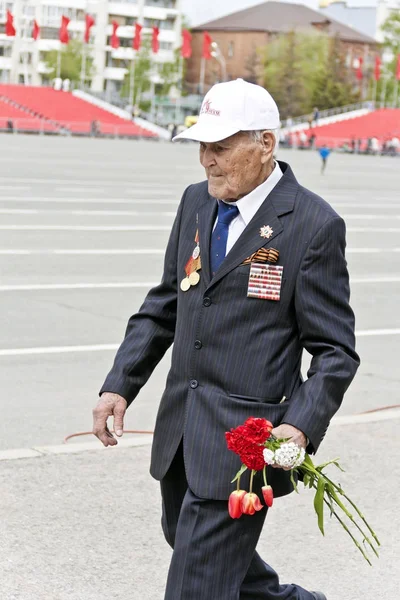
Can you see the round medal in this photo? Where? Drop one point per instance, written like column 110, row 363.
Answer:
column 196, row 252
column 185, row 284
column 194, row 278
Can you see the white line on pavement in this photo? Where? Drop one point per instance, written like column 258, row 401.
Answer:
column 91, row 251
column 376, row 332
column 88, row 182
column 373, row 229
column 85, row 227
column 107, row 347
column 22, row 188
column 361, row 205
column 371, row 250
column 77, row 286
column 371, row 217
column 57, row 349
column 139, row 284
column 100, row 213
column 144, row 440
column 52, row 200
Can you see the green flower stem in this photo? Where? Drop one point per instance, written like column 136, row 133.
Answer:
column 251, row 480
column 341, row 492
column 349, row 532
column 238, row 484
column 265, row 475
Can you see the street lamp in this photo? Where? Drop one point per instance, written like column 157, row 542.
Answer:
column 216, row 53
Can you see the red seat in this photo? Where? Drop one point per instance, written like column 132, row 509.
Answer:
column 66, row 110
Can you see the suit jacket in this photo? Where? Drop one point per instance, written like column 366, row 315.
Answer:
column 235, row 356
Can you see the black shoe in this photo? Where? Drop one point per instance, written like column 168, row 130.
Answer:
column 318, row 596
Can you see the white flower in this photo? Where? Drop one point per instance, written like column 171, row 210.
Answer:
column 269, row 456
column 289, row 455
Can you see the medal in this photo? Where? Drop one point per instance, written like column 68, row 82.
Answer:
column 185, row 284
column 194, row 278
column 192, row 267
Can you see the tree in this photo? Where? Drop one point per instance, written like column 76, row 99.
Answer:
column 306, row 70
column 391, row 29
column 391, row 45
column 332, row 84
column 71, row 62
column 142, row 67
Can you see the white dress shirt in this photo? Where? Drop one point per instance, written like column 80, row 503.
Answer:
column 249, row 205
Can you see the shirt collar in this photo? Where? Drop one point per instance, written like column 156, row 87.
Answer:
column 249, row 204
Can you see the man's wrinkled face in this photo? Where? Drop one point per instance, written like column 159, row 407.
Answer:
column 237, row 165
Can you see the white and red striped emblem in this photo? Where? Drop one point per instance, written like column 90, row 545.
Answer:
column 265, row 282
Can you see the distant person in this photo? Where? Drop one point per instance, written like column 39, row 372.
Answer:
column 312, row 139
column 375, row 146
column 174, row 131
column 10, row 126
column 94, row 128
column 316, row 115
column 324, row 153
column 353, row 145
column 289, row 122
column 303, row 139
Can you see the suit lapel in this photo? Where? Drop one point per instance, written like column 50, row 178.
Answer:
column 207, row 213
column 280, row 201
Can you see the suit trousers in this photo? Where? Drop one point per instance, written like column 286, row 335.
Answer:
column 214, row 556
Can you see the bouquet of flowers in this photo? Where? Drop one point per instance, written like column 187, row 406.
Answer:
column 258, row 448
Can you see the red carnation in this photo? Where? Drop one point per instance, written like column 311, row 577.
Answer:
column 250, row 453
column 258, row 430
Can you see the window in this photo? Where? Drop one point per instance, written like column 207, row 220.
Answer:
column 231, row 49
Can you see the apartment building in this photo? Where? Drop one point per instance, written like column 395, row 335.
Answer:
column 23, row 60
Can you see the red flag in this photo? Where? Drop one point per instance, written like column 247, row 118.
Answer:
column 377, row 71
column 207, row 41
column 89, row 22
column 186, row 50
column 10, row 29
column 63, row 35
column 155, row 44
column 359, row 72
column 114, row 37
column 35, row 30
column 398, row 68
column 137, row 39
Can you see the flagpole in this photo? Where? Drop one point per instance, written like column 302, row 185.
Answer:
column 83, row 67
column 396, row 93
column 375, row 91
column 180, row 89
column 132, row 82
column 202, row 74
column 58, row 72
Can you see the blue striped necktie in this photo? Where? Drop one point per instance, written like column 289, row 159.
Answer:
column 219, row 238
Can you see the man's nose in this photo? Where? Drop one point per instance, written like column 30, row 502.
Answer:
column 207, row 158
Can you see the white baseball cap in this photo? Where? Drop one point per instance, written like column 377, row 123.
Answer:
column 231, row 107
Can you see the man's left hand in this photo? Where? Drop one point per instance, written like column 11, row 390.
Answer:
column 292, row 434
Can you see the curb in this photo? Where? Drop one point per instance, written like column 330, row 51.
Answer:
column 146, row 440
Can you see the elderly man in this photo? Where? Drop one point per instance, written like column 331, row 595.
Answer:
column 237, row 344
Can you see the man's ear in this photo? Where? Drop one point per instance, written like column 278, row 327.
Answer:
column 269, row 143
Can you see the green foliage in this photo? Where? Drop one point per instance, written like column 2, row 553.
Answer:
column 71, row 62
column 332, row 84
column 306, row 70
column 168, row 72
column 142, row 66
column 391, row 29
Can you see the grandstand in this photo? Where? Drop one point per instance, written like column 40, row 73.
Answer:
column 45, row 110
column 382, row 124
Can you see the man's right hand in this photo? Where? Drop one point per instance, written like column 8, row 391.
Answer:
column 109, row 405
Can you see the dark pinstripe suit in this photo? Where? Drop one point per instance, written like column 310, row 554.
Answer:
column 236, row 357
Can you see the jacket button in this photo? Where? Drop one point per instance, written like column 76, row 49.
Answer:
column 198, row 344
column 206, row 301
column 194, row 383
